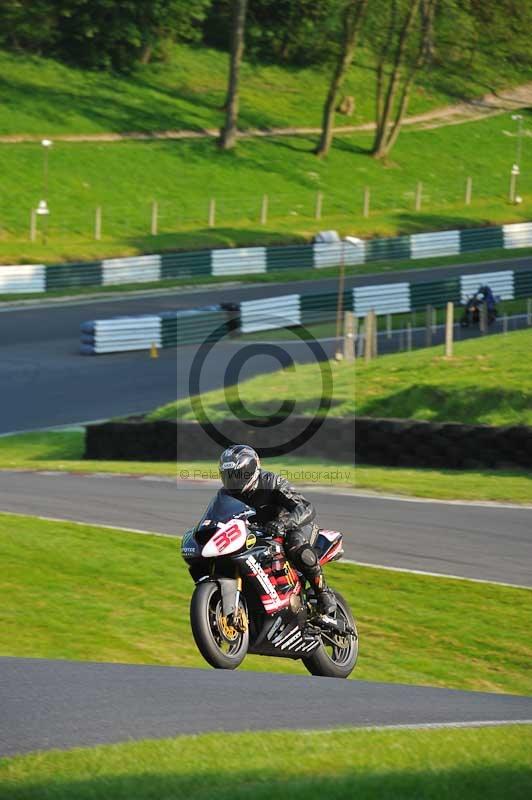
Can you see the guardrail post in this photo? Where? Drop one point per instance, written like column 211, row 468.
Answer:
column 98, row 224
column 419, row 195
column 483, row 318
column 529, row 311
column 264, row 210
column 33, row 225
column 212, row 212
column 154, row 217
column 449, row 330
column 468, row 191
column 349, row 336
column 319, row 205
column 365, row 211
column 428, row 326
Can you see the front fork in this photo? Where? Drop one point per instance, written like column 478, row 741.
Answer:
column 234, row 614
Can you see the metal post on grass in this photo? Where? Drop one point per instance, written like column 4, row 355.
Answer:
column 483, row 318
column 370, row 325
column 212, row 212
column 505, row 323
column 375, row 339
column 319, row 205
column 33, row 225
column 408, row 336
column 264, row 210
column 154, row 217
column 367, row 196
column 361, row 339
column 98, row 224
column 468, row 191
column 349, row 336
column 388, row 326
column 428, row 326
column 434, row 320
column 419, row 195
column 529, row 311
column 449, row 330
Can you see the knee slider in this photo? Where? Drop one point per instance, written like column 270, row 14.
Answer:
column 304, row 556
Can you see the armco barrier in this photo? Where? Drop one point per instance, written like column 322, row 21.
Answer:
column 253, row 260
column 385, row 442
column 290, row 310
column 168, row 329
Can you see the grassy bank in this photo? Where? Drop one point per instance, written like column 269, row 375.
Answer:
column 477, row 764
column 124, row 178
column 81, row 592
column 486, row 381
column 64, row 452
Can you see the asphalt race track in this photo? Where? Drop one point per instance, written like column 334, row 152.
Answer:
column 474, row 541
column 45, row 382
column 63, row 704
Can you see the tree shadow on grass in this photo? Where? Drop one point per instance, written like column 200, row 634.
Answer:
column 475, row 783
column 208, row 238
column 410, row 222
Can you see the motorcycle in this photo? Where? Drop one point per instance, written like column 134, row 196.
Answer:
column 249, row 599
column 472, row 310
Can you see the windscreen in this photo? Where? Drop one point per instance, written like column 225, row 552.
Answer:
column 224, row 507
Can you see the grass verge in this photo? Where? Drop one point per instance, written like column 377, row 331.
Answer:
column 477, row 764
column 82, row 592
column 63, row 451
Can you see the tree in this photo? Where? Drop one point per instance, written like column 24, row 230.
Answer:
column 402, row 52
column 228, row 133
column 353, row 16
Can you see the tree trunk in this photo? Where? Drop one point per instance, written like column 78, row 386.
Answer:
column 228, row 133
column 387, row 132
column 353, row 16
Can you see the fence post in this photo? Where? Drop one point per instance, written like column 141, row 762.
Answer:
column 388, row 326
column 419, row 194
column 408, row 336
column 98, row 224
column 365, row 211
column 449, row 330
column 33, row 225
column 154, row 217
column 212, row 212
column 264, row 210
column 319, row 205
column 505, row 323
column 370, row 335
column 349, row 336
column 483, row 318
column 468, row 191
column 428, row 326
column 361, row 338
column 434, row 320
column 529, row 311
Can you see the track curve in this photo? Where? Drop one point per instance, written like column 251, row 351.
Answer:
column 63, row 704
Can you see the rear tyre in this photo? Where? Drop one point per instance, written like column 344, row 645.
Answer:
column 222, row 646
column 337, row 655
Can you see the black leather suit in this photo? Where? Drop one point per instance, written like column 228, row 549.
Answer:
column 274, row 499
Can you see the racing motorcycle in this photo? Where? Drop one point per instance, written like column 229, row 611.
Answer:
column 249, row 599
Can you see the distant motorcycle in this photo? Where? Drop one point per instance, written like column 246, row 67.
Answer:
column 249, row 599
column 473, row 306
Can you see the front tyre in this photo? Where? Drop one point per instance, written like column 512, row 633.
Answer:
column 337, row 655
column 219, row 642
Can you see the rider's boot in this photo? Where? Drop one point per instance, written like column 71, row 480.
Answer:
column 325, row 597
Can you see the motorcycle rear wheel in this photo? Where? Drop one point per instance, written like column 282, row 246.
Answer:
column 206, row 621
column 336, row 660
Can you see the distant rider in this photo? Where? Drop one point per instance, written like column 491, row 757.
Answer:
column 281, row 510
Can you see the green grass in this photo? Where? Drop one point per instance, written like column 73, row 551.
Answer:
column 485, row 382
column 477, row 764
column 124, row 178
column 81, row 592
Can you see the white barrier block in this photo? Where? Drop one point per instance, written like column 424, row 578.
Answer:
column 519, row 235
column 23, row 278
column 442, row 243
column 138, row 269
column 274, row 312
column 330, row 254
column 240, row 261
column 127, row 333
column 389, row 298
column 500, row 283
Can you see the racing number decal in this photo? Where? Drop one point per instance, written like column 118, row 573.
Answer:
column 227, row 535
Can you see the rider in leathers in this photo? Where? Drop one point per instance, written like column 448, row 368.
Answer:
column 281, row 509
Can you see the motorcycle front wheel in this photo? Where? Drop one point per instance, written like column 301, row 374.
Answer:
column 337, row 655
column 220, row 644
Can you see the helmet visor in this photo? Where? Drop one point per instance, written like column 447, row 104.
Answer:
column 239, row 480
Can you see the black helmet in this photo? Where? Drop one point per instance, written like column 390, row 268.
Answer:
column 239, row 468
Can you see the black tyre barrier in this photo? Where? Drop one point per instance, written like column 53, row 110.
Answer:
column 383, row 442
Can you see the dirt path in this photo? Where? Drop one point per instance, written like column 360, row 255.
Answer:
column 466, row 111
